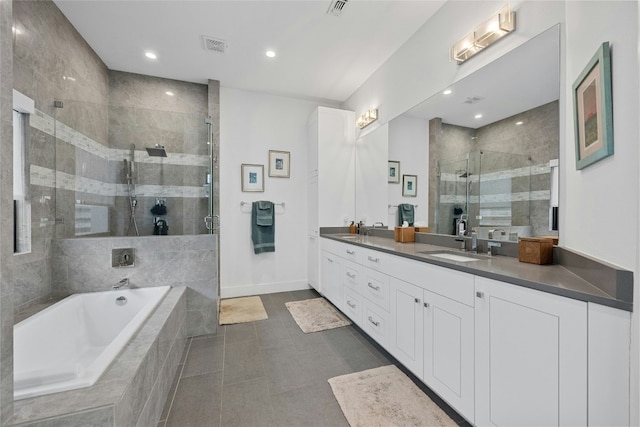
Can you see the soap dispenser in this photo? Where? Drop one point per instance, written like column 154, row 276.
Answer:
column 352, row 227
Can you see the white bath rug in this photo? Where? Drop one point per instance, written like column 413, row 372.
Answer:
column 385, row 397
column 241, row 310
column 316, row 314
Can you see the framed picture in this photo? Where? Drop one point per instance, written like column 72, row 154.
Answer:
column 279, row 165
column 593, row 110
column 252, row 177
column 409, row 185
column 394, row 172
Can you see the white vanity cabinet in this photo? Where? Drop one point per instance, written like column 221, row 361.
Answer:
column 433, row 334
column 530, row 358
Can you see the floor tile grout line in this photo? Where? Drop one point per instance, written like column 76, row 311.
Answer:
column 179, row 374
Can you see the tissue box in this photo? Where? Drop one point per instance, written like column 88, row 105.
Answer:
column 535, row 250
column 405, row 234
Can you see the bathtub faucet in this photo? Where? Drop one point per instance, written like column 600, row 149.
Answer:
column 123, row 283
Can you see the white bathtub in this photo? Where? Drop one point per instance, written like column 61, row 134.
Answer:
column 70, row 344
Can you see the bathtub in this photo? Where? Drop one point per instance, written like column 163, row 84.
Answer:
column 70, row 344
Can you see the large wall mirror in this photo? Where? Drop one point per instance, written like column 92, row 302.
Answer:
column 492, row 144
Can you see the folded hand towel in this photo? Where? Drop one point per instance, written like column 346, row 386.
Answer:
column 263, row 227
column 405, row 213
column 264, row 216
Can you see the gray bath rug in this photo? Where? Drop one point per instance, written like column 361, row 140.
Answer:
column 241, row 310
column 313, row 315
column 385, row 397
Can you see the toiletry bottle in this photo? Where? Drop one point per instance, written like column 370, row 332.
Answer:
column 352, row 227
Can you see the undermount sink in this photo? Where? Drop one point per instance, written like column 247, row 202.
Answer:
column 453, row 256
column 349, row 236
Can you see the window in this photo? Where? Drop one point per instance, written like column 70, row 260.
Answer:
column 21, row 198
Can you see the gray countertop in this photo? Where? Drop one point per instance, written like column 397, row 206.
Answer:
column 555, row 279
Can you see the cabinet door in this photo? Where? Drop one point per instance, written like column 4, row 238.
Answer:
column 331, row 277
column 449, row 351
column 406, row 325
column 531, row 357
column 313, row 261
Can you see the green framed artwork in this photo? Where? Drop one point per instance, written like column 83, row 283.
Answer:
column 593, row 110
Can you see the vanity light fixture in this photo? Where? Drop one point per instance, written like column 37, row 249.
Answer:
column 366, row 118
column 484, row 35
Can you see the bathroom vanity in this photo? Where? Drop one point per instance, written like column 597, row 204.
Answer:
column 503, row 342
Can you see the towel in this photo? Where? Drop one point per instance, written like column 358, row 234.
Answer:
column 263, row 227
column 405, row 213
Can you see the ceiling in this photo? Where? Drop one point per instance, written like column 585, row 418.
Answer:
column 318, row 55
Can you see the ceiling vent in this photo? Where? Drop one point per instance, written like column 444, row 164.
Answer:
column 336, row 7
column 214, row 44
column 473, row 99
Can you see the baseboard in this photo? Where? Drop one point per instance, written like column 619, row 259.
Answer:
column 262, row 288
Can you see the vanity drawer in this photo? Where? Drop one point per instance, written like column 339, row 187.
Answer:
column 375, row 287
column 343, row 250
column 353, row 306
column 352, row 276
column 375, row 322
column 373, row 259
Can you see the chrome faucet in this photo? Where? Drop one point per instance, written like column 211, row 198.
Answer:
column 378, row 224
column 123, row 283
column 501, row 230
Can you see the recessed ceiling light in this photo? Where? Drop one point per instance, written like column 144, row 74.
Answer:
column 519, row 123
column 69, row 78
column 16, row 30
column 270, row 54
column 169, row 93
column 447, row 92
column 478, row 116
column 150, row 55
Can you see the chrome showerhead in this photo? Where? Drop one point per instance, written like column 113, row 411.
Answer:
column 156, row 151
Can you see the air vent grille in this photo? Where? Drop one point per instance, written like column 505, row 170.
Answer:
column 473, row 99
column 214, row 44
column 336, row 7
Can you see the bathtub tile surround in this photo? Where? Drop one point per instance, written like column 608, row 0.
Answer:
column 84, row 265
column 133, row 390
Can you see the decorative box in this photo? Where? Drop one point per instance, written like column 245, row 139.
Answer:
column 535, row 250
column 405, row 234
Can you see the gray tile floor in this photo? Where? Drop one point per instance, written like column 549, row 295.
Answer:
column 268, row 373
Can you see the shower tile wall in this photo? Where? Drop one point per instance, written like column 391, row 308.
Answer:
column 6, row 223
column 84, row 265
column 141, row 113
column 50, row 61
column 538, row 138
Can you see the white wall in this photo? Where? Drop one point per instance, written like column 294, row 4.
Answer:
column 409, row 144
column 599, row 204
column 251, row 124
column 421, row 67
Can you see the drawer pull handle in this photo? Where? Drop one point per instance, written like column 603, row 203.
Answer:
column 376, row 324
column 351, row 252
column 375, row 288
column 351, row 275
column 480, row 294
column 372, row 259
column 417, row 300
column 426, row 305
column 350, row 304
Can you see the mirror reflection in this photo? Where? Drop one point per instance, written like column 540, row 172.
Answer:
column 493, row 141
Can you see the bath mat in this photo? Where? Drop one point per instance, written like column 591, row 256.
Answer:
column 241, row 310
column 386, row 397
column 316, row 314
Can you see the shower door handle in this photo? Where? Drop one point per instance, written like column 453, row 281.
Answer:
column 212, row 222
